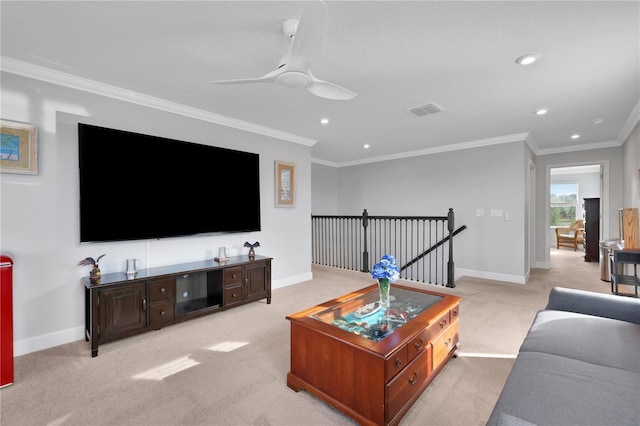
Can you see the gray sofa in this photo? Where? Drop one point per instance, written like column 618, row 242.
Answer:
column 578, row 365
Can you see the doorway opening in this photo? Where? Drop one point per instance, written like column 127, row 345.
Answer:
column 569, row 187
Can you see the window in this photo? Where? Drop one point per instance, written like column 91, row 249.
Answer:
column 564, row 203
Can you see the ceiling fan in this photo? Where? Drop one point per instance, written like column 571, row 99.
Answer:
column 294, row 69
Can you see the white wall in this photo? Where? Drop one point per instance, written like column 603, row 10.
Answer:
column 39, row 214
column 491, row 177
column 324, row 185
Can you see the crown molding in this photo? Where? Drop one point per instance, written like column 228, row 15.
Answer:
column 324, row 162
column 518, row 137
column 532, row 144
column 48, row 75
column 585, row 147
column 630, row 123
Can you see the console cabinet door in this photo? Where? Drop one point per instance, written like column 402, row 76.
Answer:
column 122, row 309
column 256, row 281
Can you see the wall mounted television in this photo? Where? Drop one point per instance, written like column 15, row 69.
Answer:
column 135, row 186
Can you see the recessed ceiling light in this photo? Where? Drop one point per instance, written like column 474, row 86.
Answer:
column 324, row 121
column 526, row 59
column 575, row 136
column 541, row 111
column 598, row 121
column 366, row 146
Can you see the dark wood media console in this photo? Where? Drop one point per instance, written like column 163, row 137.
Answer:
column 119, row 306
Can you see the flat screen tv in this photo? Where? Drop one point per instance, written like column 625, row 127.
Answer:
column 135, row 186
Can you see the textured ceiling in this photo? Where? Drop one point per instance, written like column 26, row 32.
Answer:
column 395, row 55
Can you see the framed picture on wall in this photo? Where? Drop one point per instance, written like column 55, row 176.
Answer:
column 18, row 148
column 285, row 184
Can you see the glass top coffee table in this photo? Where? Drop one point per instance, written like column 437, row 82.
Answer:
column 369, row 362
column 372, row 321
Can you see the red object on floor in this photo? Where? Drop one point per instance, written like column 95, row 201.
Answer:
column 6, row 320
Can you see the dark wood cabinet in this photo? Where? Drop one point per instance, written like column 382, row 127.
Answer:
column 122, row 310
column 257, row 283
column 119, row 306
column 591, row 229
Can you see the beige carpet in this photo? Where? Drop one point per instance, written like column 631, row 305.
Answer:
column 230, row 368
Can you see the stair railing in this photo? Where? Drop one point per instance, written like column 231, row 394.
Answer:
column 423, row 245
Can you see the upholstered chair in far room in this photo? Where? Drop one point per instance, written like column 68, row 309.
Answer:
column 571, row 236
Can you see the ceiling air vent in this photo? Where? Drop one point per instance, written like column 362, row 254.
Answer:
column 422, row 110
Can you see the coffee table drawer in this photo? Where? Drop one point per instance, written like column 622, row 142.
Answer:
column 408, row 382
column 455, row 313
column 444, row 343
column 396, row 362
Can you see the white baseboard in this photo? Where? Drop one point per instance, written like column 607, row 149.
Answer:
column 517, row 279
column 45, row 341
column 295, row 279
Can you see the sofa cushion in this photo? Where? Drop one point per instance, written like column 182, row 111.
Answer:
column 591, row 303
column 546, row 389
column 588, row 338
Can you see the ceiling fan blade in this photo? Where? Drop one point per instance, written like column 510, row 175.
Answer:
column 267, row 78
column 328, row 90
column 309, row 36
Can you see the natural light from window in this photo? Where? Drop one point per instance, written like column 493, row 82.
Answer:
column 564, row 203
column 227, row 346
column 168, row 369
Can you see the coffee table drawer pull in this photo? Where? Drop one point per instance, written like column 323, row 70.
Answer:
column 418, row 345
column 412, row 380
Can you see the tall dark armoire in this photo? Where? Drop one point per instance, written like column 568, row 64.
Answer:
column 591, row 229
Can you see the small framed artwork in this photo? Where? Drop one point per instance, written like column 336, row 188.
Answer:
column 285, row 184
column 18, row 148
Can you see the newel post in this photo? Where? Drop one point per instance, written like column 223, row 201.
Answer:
column 365, row 252
column 450, row 264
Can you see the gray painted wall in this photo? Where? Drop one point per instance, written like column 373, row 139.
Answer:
column 39, row 214
column 508, row 177
column 491, row 177
column 324, row 194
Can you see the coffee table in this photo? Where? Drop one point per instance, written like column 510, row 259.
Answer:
column 373, row 363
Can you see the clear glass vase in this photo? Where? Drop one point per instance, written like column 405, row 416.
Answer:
column 384, row 286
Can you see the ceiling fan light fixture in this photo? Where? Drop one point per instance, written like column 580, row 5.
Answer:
column 526, row 59
column 294, row 79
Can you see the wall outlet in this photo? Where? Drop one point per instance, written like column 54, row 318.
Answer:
column 496, row 212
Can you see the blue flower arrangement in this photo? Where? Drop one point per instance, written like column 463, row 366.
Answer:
column 386, row 269
column 386, row 272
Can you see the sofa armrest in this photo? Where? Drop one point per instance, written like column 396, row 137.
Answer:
column 598, row 304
